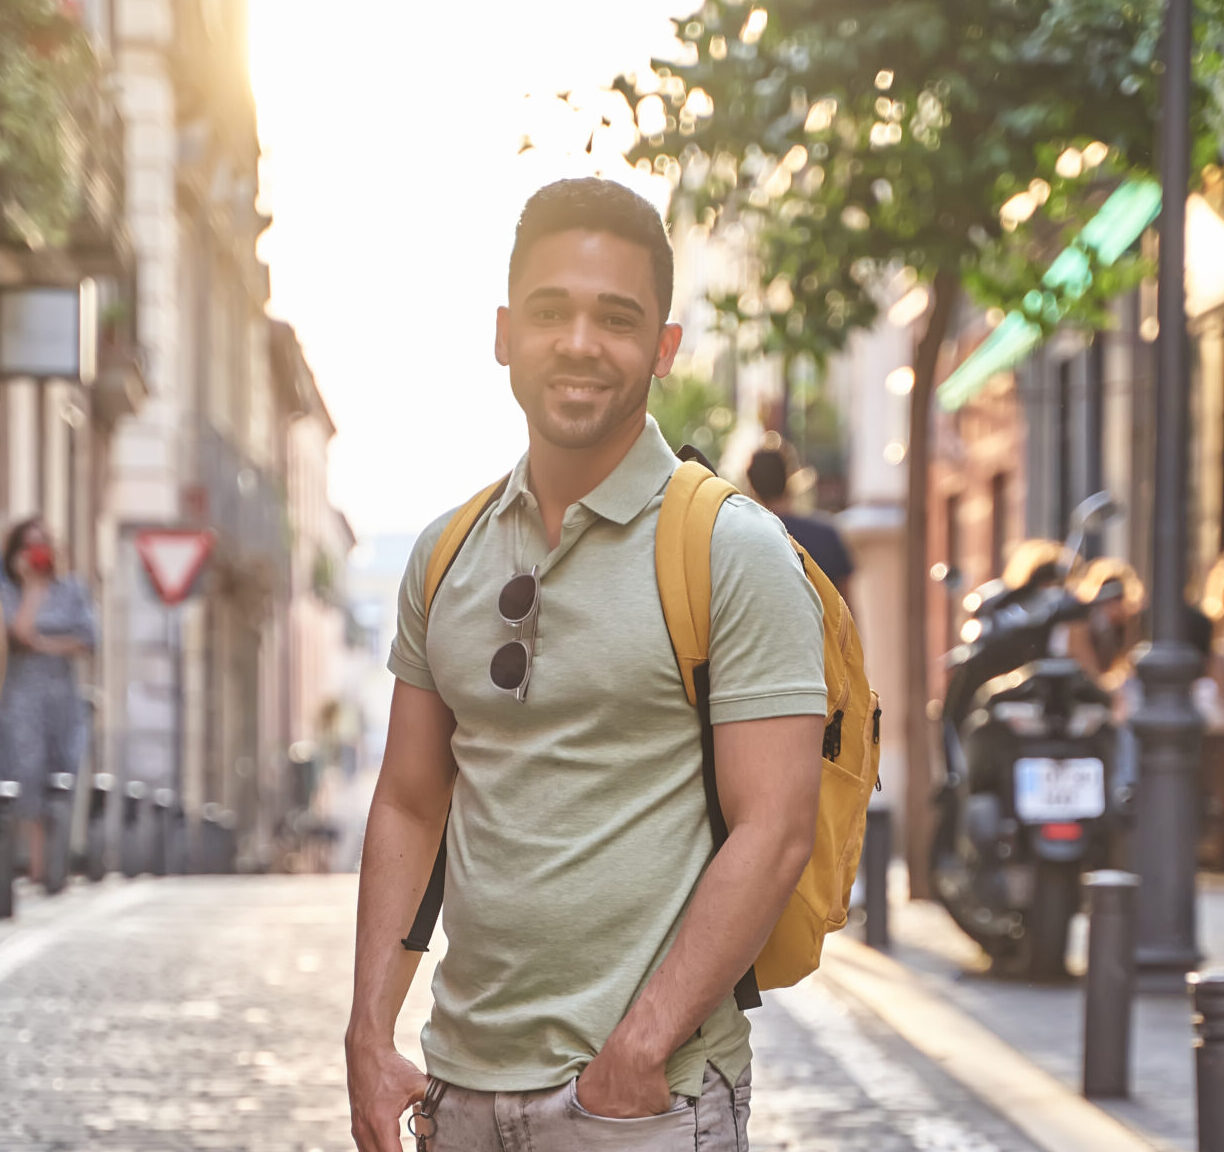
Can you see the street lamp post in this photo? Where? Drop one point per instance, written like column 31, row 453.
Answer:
column 1168, row 728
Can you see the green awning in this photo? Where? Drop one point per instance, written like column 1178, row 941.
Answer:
column 1109, row 234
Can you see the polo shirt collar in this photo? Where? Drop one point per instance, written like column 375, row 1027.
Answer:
column 626, row 491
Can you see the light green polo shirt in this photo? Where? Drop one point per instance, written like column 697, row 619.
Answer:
column 578, row 828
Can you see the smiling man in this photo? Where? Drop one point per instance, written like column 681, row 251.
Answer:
column 594, row 937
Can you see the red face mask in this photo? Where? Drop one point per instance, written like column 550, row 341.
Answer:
column 40, row 558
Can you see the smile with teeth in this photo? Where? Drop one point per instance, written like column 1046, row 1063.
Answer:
column 578, row 389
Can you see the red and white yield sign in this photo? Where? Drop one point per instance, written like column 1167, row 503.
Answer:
column 173, row 559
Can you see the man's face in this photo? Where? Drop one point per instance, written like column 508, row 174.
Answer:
column 582, row 337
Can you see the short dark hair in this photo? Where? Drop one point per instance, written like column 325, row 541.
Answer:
column 15, row 542
column 595, row 205
column 767, row 473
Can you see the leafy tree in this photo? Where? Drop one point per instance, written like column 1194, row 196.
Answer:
column 692, row 410
column 44, row 60
column 854, row 138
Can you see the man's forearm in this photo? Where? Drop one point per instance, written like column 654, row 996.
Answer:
column 397, row 859
column 734, row 908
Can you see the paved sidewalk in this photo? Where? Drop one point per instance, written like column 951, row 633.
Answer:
column 207, row 1013
column 197, row 1012
column 933, row 965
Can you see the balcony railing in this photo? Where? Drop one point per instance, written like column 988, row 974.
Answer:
column 96, row 129
column 244, row 504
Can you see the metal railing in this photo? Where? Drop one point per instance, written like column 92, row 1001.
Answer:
column 244, row 504
column 95, row 131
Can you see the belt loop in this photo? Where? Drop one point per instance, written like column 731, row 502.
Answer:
column 423, row 1124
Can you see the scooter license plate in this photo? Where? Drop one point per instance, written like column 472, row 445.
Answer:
column 1051, row 790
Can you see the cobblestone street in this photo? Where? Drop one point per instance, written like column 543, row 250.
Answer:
column 199, row 1013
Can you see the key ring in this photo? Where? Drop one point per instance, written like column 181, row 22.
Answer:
column 420, row 1133
column 421, row 1123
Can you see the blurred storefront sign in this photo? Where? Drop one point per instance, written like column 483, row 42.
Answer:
column 48, row 332
column 1120, row 222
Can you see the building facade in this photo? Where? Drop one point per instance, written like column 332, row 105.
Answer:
column 320, row 692
column 71, row 368
column 144, row 389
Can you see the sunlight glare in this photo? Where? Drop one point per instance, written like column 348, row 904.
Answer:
column 391, row 164
column 754, row 26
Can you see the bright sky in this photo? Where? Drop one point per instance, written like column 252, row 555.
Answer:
column 391, row 132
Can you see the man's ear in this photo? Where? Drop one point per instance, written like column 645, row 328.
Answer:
column 501, row 342
column 669, row 345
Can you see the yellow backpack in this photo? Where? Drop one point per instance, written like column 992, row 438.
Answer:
column 851, row 753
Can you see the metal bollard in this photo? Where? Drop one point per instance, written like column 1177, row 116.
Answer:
column 131, row 845
column 217, row 842
column 163, row 801
column 57, row 830
column 1109, row 986
column 1207, row 992
column 9, row 791
column 175, row 819
column 167, row 833
column 100, row 788
column 877, row 853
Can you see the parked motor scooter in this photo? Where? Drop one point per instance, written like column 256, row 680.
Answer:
column 1030, row 755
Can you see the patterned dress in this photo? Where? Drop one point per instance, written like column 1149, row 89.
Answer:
column 42, row 723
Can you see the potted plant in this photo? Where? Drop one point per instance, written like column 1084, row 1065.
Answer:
column 116, row 347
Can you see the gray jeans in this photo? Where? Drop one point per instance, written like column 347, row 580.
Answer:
column 552, row 1120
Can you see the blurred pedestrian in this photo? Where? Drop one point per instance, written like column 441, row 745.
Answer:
column 594, row 935
column 770, row 473
column 50, row 622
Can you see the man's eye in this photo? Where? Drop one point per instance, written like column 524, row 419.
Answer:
column 547, row 315
column 622, row 322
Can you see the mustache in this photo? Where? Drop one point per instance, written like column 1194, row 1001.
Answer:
column 578, row 373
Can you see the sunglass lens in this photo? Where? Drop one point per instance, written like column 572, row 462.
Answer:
column 509, row 666
column 517, row 598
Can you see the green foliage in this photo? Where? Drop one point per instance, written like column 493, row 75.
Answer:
column 856, row 136
column 45, row 60
column 692, row 410
column 323, row 575
column 816, row 425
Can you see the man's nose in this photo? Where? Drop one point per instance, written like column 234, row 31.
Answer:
column 579, row 339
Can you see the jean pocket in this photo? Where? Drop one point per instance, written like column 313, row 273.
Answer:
column 741, row 1097
column 681, row 1106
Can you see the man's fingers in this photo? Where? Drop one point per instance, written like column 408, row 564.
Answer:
column 376, row 1121
column 381, row 1134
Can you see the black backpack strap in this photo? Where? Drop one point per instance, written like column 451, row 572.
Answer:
column 688, row 452
column 747, row 994
column 422, row 928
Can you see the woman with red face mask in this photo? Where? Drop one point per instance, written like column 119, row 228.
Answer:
column 50, row 621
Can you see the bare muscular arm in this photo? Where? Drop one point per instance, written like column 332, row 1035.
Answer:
column 768, row 785
column 407, row 816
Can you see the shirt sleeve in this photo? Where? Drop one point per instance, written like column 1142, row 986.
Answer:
column 408, row 659
column 766, row 621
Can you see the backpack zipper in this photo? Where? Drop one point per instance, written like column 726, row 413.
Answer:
column 875, row 739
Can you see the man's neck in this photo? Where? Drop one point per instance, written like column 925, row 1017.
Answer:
column 559, row 477
column 779, row 507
